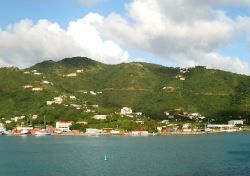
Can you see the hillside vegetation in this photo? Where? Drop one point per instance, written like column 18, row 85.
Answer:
column 148, row 88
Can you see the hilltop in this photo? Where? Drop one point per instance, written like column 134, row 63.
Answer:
column 148, row 88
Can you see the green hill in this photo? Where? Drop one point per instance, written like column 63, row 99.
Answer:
column 148, row 88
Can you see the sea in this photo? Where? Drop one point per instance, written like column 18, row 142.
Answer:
column 224, row 154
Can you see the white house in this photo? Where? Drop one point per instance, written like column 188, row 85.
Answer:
column 58, row 100
column 8, row 121
column 36, row 89
column 27, row 86
column 100, row 117
column 72, row 97
column 46, row 82
column 71, row 75
column 63, row 125
column 235, row 122
column 92, row 93
column 126, row 111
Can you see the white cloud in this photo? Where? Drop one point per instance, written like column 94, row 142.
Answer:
column 26, row 43
column 183, row 31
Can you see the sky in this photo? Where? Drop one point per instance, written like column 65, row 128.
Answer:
column 179, row 33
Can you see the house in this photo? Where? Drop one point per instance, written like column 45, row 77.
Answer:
column 49, row 102
column 107, row 130
column 71, row 75
column 115, row 132
column 25, row 128
column 72, row 97
column 63, row 125
column 126, row 111
column 36, row 73
column 95, row 106
column 34, row 117
column 140, row 122
column 139, row 133
column 27, row 86
column 82, row 122
column 46, row 82
column 36, row 89
column 138, row 113
column 8, row 121
column 99, row 92
column 235, row 122
column 58, row 100
column 92, row 93
column 165, row 121
column 26, row 72
column 79, row 71
column 93, row 131
column 100, row 117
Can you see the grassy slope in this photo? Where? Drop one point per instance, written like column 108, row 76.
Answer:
column 139, row 85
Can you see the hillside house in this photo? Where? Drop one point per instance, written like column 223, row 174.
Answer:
column 72, row 97
column 126, row 111
column 27, row 86
column 92, row 93
column 100, row 117
column 71, row 75
column 37, row 89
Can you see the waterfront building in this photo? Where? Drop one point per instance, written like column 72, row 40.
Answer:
column 139, row 133
column 93, row 131
column 235, row 122
column 63, row 125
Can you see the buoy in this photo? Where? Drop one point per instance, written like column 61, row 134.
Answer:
column 105, row 157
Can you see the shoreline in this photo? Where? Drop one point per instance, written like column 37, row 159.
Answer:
column 125, row 135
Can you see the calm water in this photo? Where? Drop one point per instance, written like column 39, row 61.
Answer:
column 222, row 154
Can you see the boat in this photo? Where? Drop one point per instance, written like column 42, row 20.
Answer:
column 40, row 133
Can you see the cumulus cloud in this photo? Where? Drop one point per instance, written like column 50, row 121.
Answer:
column 26, row 43
column 184, row 31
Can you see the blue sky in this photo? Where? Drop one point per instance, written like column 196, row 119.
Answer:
column 119, row 31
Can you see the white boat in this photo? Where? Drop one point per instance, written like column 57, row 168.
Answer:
column 39, row 133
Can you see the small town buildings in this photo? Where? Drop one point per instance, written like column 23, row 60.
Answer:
column 63, row 125
column 100, row 117
column 126, row 111
column 235, row 122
